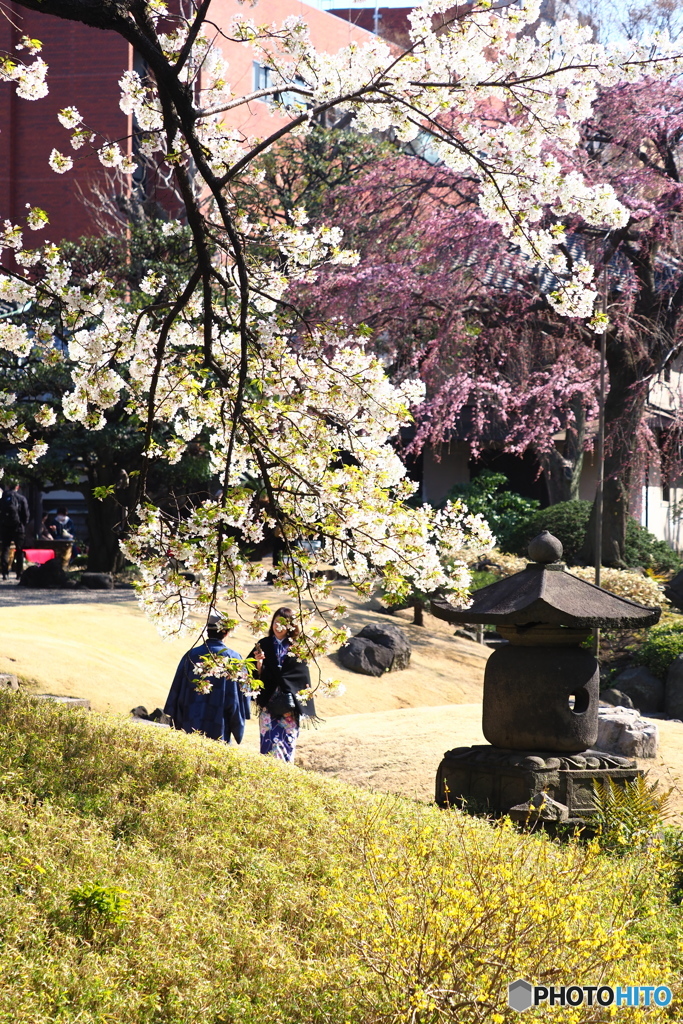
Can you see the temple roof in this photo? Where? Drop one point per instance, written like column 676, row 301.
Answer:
column 546, row 593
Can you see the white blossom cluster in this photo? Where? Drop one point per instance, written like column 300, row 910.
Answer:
column 311, row 414
column 29, row 78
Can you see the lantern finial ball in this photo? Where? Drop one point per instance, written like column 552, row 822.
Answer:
column 545, row 548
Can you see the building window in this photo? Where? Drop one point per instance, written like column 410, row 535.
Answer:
column 262, row 77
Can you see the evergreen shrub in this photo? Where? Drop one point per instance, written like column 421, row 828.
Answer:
column 482, row 578
column 505, row 511
column 568, row 521
column 663, row 645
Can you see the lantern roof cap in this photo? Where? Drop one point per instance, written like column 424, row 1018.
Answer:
column 544, row 592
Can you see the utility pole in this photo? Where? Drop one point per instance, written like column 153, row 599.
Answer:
column 600, row 453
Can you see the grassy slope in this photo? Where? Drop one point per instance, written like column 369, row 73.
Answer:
column 261, row 894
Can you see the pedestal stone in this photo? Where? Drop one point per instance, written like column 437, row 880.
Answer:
column 70, row 702
column 495, row 781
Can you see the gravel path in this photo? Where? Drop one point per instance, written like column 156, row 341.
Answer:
column 12, row 594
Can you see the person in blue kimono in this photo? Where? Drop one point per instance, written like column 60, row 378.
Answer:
column 219, row 714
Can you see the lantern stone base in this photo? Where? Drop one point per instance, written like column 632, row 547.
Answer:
column 528, row 785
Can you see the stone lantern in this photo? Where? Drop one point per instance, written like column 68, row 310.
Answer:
column 541, row 692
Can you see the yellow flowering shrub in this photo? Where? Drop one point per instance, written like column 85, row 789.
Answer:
column 503, row 564
column 624, row 583
column 448, row 911
column 150, row 877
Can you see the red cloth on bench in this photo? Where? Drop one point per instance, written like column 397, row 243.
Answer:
column 39, row 555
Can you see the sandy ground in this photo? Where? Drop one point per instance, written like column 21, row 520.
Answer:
column 99, row 645
column 398, row 751
column 388, row 734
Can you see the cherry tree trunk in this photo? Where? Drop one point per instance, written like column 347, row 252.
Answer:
column 624, row 411
column 104, row 521
column 562, row 467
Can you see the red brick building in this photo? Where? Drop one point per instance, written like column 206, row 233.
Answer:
column 391, row 23
column 85, row 65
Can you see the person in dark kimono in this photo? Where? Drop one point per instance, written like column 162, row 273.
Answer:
column 218, row 714
column 283, row 677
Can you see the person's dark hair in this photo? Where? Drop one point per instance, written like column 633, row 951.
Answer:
column 288, row 614
column 10, row 484
column 62, row 511
column 215, row 632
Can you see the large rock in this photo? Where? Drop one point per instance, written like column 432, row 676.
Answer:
column 9, row 681
column 616, row 698
column 360, row 655
column 623, row 731
column 48, row 576
column 673, row 689
column 674, row 590
column 645, row 690
column 375, row 650
column 157, row 717
column 392, row 638
column 97, row 581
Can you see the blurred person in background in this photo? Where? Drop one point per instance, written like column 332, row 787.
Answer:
column 14, row 517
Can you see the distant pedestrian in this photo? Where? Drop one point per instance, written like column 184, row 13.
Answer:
column 63, row 525
column 14, row 517
column 218, row 714
column 284, row 677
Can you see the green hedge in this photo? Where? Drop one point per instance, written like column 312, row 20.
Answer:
column 505, row 511
column 662, row 647
column 568, row 520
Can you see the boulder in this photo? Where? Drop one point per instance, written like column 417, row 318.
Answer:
column 392, row 638
column 623, row 731
column 375, row 650
column 645, row 689
column 616, row 698
column 360, row 655
column 48, row 576
column 673, row 689
column 97, row 581
column 8, row 681
column 674, row 590
column 466, row 634
column 71, row 702
column 157, row 716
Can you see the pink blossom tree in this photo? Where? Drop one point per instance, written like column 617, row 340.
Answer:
column 447, row 297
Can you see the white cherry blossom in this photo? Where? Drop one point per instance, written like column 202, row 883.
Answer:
column 309, row 413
